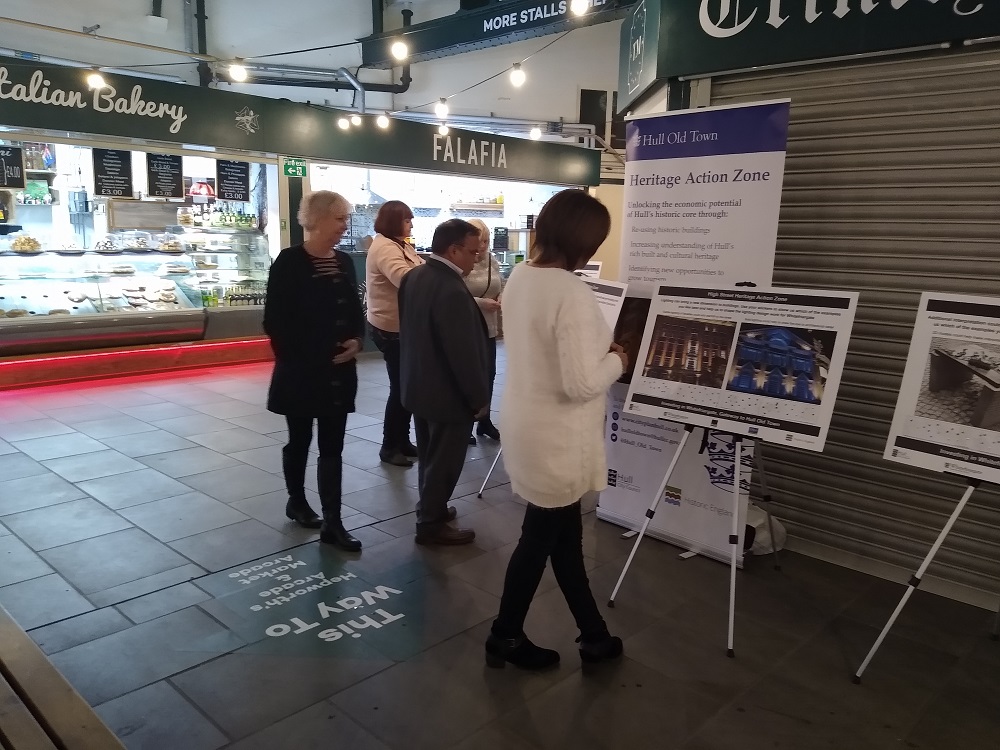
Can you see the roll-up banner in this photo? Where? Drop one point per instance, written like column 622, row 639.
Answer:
column 702, row 196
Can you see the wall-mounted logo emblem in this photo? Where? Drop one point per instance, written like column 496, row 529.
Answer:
column 637, row 47
column 248, row 121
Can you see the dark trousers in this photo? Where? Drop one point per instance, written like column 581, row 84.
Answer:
column 441, row 448
column 556, row 534
column 396, row 425
column 492, row 348
column 295, row 456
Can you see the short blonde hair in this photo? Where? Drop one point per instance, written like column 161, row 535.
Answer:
column 316, row 205
column 484, row 231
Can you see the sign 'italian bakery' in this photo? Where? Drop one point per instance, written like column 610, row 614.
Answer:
column 688, row 38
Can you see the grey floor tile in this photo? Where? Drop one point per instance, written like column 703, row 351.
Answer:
column 35, row 428
column 264, row 422
column 160, row 603
column 372, row 433
column 114, row 665
column 4, row 531
column 267, row 458
column 369, row 406
column 133, row 488
column 198, row 424
column 148, row 443
column 163, row 410
column 149, row 584
column 615, row 705
column 965, row 713
column 58, row 446
column 122, row 397
column 312, row 729
column 39, row 491
column 18, row 563
column 231, row 441
column 270, row 509
column 231, row 407
column 6, row 448
column 467, row 696
column 190, row 396
column 42, row 601
column 89, row 626
column 74, row 414
column 232, row 545
column 353, row 480
column 14, row 411
column 236, row 483
column 185, row 463
column 17, row 466
column 157, row 717
column 114, row 559
column 184, row 515
column 54, row 398
column 273, row 687
column 114, row 427
column 362, row 455
column 356, row 420
column 384, row 501
column 65, row 523
column 92, row 465
column 494, row 737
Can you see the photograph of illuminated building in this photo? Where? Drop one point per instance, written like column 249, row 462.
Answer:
column 688, row 350
column 785, row 363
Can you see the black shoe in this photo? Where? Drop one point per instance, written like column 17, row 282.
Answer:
column 298, row 510
column 489, row 430
column 520, row 652
column 472, row 440
column 452, row 513
column 395, row 458
column 409, row 450
column 444, row 534
column 333, row 532
column 600, row 647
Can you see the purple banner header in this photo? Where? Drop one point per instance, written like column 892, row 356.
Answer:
column 717, row 132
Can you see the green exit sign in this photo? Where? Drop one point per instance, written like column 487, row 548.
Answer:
column 295, row 167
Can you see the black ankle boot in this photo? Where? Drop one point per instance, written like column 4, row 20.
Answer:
column 520, row 652
column 599, row 647
column 297, row 509
column 333, row 532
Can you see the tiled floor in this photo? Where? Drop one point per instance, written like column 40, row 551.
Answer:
column 143, row 545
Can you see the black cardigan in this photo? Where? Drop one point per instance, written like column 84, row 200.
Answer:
column 308, row 318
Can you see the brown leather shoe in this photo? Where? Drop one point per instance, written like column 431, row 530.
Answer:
column 444, row 534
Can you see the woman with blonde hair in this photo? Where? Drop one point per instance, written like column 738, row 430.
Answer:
column 314, row 319
column 485, row 284
column 561, row 360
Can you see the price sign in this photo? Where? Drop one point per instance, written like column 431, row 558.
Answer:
column 11, row 167
column 112, row 173
column 294, row 167
column 232, row 180
column 165, row 176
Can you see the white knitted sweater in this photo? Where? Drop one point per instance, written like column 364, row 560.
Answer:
column 558, row 372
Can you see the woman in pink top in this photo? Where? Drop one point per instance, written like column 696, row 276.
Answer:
column 390, row 258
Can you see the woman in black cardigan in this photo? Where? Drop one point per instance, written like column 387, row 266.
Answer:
column 314, row 318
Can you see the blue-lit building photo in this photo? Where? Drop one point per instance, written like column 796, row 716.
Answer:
column 786, row 363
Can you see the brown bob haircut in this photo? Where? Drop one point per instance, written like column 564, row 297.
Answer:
column 390, row 218
column 569, row 229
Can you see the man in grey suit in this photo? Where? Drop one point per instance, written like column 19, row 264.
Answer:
column 444, row 372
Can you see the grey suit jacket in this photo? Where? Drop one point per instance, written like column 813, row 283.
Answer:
column 444, row 362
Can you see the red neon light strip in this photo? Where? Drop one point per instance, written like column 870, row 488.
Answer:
column 132, row 352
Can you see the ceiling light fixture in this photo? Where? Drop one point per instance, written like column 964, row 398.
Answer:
column 237, row 71
column 399, row 50
column 95, row 80
column 343, row 123
column 535, row 133
column 579, row 7
column 441, row 108
column 443, row 129
column 383, row 121
column 355, row 120
column 517, row 76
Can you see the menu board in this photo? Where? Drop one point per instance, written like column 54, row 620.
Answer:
column 164, row 173
column 112, row 173
column 232, row 180
column 11, row 167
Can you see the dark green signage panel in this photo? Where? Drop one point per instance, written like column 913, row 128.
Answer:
column 700, row 37
column 50, row 97
column 639, row 46
column 495, row 24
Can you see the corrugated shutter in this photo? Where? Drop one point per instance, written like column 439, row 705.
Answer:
column 892, row 188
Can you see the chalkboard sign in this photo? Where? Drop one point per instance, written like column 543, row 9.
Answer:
column 164, row 173
column 501, row 239
column 112, row 173
column 11, row 167
column 232, row 180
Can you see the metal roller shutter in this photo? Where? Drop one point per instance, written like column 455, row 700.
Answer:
column 892, row 188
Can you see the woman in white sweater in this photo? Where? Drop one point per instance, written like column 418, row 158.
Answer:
column 560, row 362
